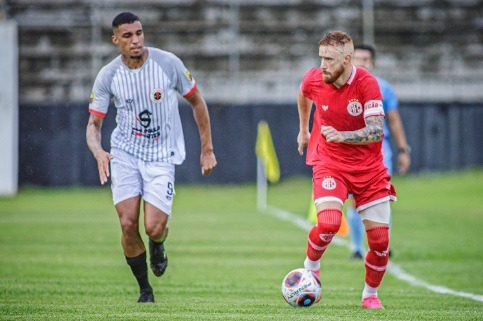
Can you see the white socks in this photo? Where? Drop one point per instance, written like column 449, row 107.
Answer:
column 311, row 265
column 368, row 291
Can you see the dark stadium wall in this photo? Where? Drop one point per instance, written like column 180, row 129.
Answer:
column 53, row 151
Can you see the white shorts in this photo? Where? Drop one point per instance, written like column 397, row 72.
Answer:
column 131, row 176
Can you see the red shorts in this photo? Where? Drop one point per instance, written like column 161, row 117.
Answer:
column 368, row 188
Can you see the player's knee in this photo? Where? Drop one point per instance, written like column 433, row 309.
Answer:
column 329, row 221
column 129, row 226
column 155, row 231
column 324, row 228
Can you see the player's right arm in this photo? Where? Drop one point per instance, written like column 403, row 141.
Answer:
column 93, row 137
column 304, row 106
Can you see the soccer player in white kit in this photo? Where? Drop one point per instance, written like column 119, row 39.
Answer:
column 147, row 143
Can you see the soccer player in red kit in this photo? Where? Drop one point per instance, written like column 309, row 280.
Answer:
column 345, row 152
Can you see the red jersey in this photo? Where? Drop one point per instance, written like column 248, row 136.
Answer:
column 345, row 109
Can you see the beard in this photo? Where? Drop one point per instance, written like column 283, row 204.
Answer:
column 332, row 77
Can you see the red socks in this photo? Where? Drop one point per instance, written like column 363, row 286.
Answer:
column 378, row 255
column 321, row 235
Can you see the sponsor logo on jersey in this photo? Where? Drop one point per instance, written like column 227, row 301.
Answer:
column 329, row 183
column 91, row 98
column 188, row 75
column 129, row 101
column 156, row 95
column 144, row 118
column 354, row 108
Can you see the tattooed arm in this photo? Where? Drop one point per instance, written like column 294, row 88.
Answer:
column 373, row 132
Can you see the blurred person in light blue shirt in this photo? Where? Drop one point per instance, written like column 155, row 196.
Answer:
column 364, row 56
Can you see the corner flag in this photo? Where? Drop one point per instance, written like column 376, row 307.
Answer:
column 265, row 152
column 267, row 163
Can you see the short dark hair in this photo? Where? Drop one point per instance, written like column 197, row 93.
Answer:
column 124, row 17
column 369, row 48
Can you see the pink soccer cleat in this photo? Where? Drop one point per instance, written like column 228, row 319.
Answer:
column 371, row 302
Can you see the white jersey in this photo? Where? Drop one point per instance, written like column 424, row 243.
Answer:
column 148, row 121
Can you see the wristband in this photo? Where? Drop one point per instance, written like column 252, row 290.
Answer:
column 406, row 149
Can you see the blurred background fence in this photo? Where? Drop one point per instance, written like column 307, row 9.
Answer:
column 443, row 137
column 248, row 58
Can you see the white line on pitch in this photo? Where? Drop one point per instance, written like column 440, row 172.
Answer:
column 392, row 268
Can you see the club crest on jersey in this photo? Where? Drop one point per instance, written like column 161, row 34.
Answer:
column 329, row 183
column 354, row 108
column 325, row 107
column 156, row 95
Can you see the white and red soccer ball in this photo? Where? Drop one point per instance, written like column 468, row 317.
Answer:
column 301, row 288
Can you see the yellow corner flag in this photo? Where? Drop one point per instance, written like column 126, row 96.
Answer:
column 265, row 151
column 312, row 217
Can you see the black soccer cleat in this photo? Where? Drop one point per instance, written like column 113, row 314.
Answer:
column 157, row 257
column 146, row 296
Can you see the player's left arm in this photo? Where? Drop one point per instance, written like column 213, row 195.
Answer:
column 202, row 118
column 372, row 132
column 373, row 118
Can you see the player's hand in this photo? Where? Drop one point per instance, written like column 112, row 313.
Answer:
column 103, row 158
column 403, row 163
column 303, row 141
column 331, row 134
column 207, row 162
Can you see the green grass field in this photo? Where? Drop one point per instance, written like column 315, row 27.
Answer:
column 61, row 258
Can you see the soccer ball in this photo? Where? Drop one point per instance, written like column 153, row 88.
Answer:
column 301, row 288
